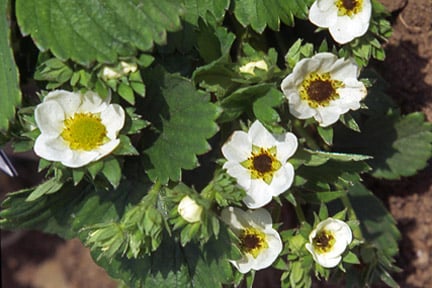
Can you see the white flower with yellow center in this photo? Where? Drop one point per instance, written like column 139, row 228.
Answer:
column 189, row 210
column 259, row 242
column 345, row 19
column 258, row 160
column 76, row 128
column 323, row 87
column 328, row 241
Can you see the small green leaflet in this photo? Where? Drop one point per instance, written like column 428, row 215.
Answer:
column 262, row 13
column 184, row 118
column 10, row 93
column 85, row 31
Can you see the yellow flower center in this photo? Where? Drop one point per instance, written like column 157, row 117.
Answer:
column 262, row 164
column 252, row 241
column 323, row 241
column 349, row 7
column 319, row 89
column 84, row 131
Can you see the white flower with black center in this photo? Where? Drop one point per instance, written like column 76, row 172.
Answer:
column 259, row 242
column 345, row 19
column 258, row 160
column 77, row 128
column 328, row 241
column 323, row 87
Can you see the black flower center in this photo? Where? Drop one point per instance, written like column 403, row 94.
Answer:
column 320, row 90
column 349, row 4
column 262, row 163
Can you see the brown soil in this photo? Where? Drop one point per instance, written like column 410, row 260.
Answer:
column 37, row 260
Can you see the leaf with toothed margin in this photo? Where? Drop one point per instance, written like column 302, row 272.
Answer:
column 184, row 118
column 85, row 31
column 10, row 95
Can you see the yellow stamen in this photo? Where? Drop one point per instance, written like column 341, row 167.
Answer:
column 323, row 241
column 319, row 89
column 252, row 241
column 349, row 7
column 84, row 131
column 262, row 163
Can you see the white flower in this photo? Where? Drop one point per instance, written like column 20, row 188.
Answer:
column 76, row 128
column 346, row 19
column 258, row 160
column 328, row 241
column 323, row 87
column 250, row 67
column 189, row 210
column 259, row 242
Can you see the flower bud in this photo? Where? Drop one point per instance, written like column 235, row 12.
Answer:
column 189, row 210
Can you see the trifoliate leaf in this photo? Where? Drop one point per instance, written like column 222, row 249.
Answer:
column 262, row 13
column 400, row 145
column 85, row 31
column 184, row 118
column 10, row 93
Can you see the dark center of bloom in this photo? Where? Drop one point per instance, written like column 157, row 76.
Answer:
column 252, row 241
column 323, row 241
column 262, row 164
column 319, row 89
column 84, row 131
column 349, row 7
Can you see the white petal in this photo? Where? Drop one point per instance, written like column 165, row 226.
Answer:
column 260, row 136
column 51, row 148
column 49, row 117
column 269, row 255
column 258, row 194
column 346, row 29
column 113, row 117
column 69, row 101
column 302, row 110
column 259, row 218
column 327, row 262
column 327, row 116
column 241, row 174
column 106, row 149
column 343, row 69
column 230, row 216
column 238, row 148
column 93, row 103
column 323, row 15
column 80, row 158
column 282, row 180
column 286, row 147
column 326, row 61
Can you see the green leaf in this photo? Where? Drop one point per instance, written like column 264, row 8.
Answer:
column 48, row 187
column 377, row 224
column 351, row 258
column 326, row 133
column 126, row 92
column 125, row 147
column 85, row 31
column 175, row 266
column 184, row 118
column 400, row 145
column 262, row 13
column 112, row 171
column 263, row 107
column 199, row 8
column 10, row 93
column 320, row 197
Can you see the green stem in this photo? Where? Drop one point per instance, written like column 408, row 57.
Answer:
column 299, row 212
